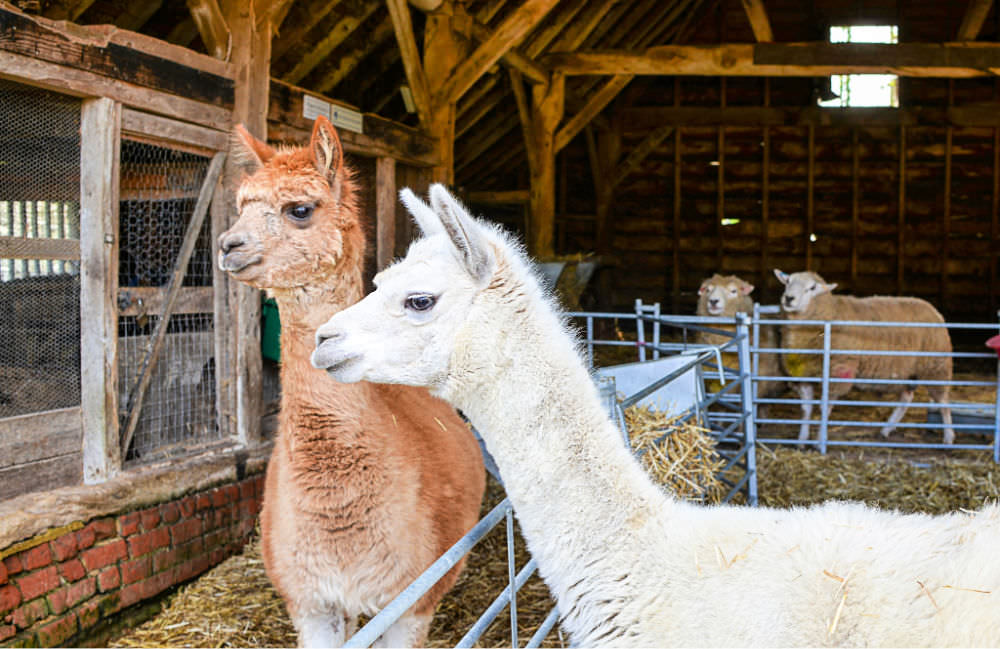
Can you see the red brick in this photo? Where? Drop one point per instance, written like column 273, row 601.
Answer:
column 91, row 612
column 129, row 595
column 150, row 518
column 55, row 633
column 104, row 555
column 232, row 492
column 219, row 497
column 3, row 573
column 38, row 583
column 128, row 524
column 64, row 547
column 85, row 538
column 187, row 506
column 109, row 579
column 147, row 542
column 81, row 590
column 72, row 570
column 10, row 598
column 13, row 564
column 136, row 570
column 104, row 528
column 30, row 613
column 170, row 513
column 7, row 631
column 57, row 601
column 203, row 501
column 247, row 490
column 185, row 530
column 215, row 539
column 37, row 557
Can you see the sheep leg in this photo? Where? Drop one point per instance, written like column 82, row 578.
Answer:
column 805, row 391
column 949, row 432
column 321, row 629
column 408, row 631
column 898, row 413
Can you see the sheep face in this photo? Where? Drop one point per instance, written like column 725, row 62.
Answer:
column 801, row 289
column 723, row 295
column 407, row 329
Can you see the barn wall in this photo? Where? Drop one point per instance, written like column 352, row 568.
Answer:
column 56, row 587
column 904, row 207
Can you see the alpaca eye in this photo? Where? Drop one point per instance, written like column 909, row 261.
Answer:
column 812, row 288
column 420, row 302
column 300, row 212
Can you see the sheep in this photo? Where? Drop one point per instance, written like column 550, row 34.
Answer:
column 725, row 296
column 629, row 564
column 808, row 297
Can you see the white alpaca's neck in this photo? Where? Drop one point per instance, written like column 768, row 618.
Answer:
column 575, row 487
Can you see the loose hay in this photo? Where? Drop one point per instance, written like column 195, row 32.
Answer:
column 235, row 605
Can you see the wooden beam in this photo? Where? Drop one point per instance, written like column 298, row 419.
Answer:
column 402, row 25
column 348, row 62
column 645, row 118
column 305, row 18
column 385, row 211
column 594, row 105
column 523, row 109
column 212, row 27
column 510, row 32
column 100, row 134
column 114, row 54
column 972, row 21
column 513, row 58
column 757, row 15
column 641, row 151
column 148, row 300
column 949, row 60
column 547, row 111
column 319, row 53
column 508, row 197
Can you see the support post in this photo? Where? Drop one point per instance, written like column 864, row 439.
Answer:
column 548, row 105
column 100, row 147
column 385, row 211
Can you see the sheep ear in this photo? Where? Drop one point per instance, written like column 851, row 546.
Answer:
column 782, row 277
column 464, row 232
column 704, row 287
column 249, row 150
column 829, row 287
column 422, row 214
column 746, row 289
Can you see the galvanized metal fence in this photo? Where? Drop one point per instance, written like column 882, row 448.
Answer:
column 733, row 429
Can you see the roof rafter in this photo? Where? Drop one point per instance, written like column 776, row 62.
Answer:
column 338, row 35
column 759, row 22
column 212, row 26
column 510, row 32
column 402, row 25
column 348, row 62
column 972, row 21
column 298, row 30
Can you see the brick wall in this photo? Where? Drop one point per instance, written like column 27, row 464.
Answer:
column 56, row 586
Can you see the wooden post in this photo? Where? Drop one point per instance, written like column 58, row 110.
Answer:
column 995, row 221
column 855, row 196
column 443, row 50
column 385, row 211
column 810, row 181
column 609, row 144
column 100, row 146
column 765, row 197
column 548, row 103
column 901, row 214
column 676, row 252
column 946, row 218
column 251, row 57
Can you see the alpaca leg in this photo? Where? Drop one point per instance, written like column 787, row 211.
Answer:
column 408, row 631
column 321, row 629
column 898, row 412
column 806, row 394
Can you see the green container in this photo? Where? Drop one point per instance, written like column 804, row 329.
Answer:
column 270, row 331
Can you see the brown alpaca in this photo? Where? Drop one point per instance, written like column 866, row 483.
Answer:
column 367, row 484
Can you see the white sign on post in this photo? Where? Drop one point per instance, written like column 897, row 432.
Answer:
column 341, row 117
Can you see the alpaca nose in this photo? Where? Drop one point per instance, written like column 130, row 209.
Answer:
column 326, row 333
column 231, row 240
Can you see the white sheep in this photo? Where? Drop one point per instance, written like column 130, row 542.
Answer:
column 725, row 296
column 808, row 297
column 628, row 564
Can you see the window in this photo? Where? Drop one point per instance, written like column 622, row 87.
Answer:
column 863, row 89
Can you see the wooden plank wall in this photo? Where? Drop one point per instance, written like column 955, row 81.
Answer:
column 847, row 185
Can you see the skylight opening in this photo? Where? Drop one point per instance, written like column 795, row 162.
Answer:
column 863, row 89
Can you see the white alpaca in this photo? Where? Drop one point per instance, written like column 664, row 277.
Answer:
column 628, row 564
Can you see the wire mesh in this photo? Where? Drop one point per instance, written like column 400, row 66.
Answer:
column 40, row 298
column 159, row 189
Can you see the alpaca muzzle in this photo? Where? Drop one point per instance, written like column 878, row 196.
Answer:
column 237, row 252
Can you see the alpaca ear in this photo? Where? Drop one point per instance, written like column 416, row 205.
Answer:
column 327, row 153
column 249, row 150
column 422, row 214
column 782, row 277
column 829, row 287
column 464, row 232
column 746, row 289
